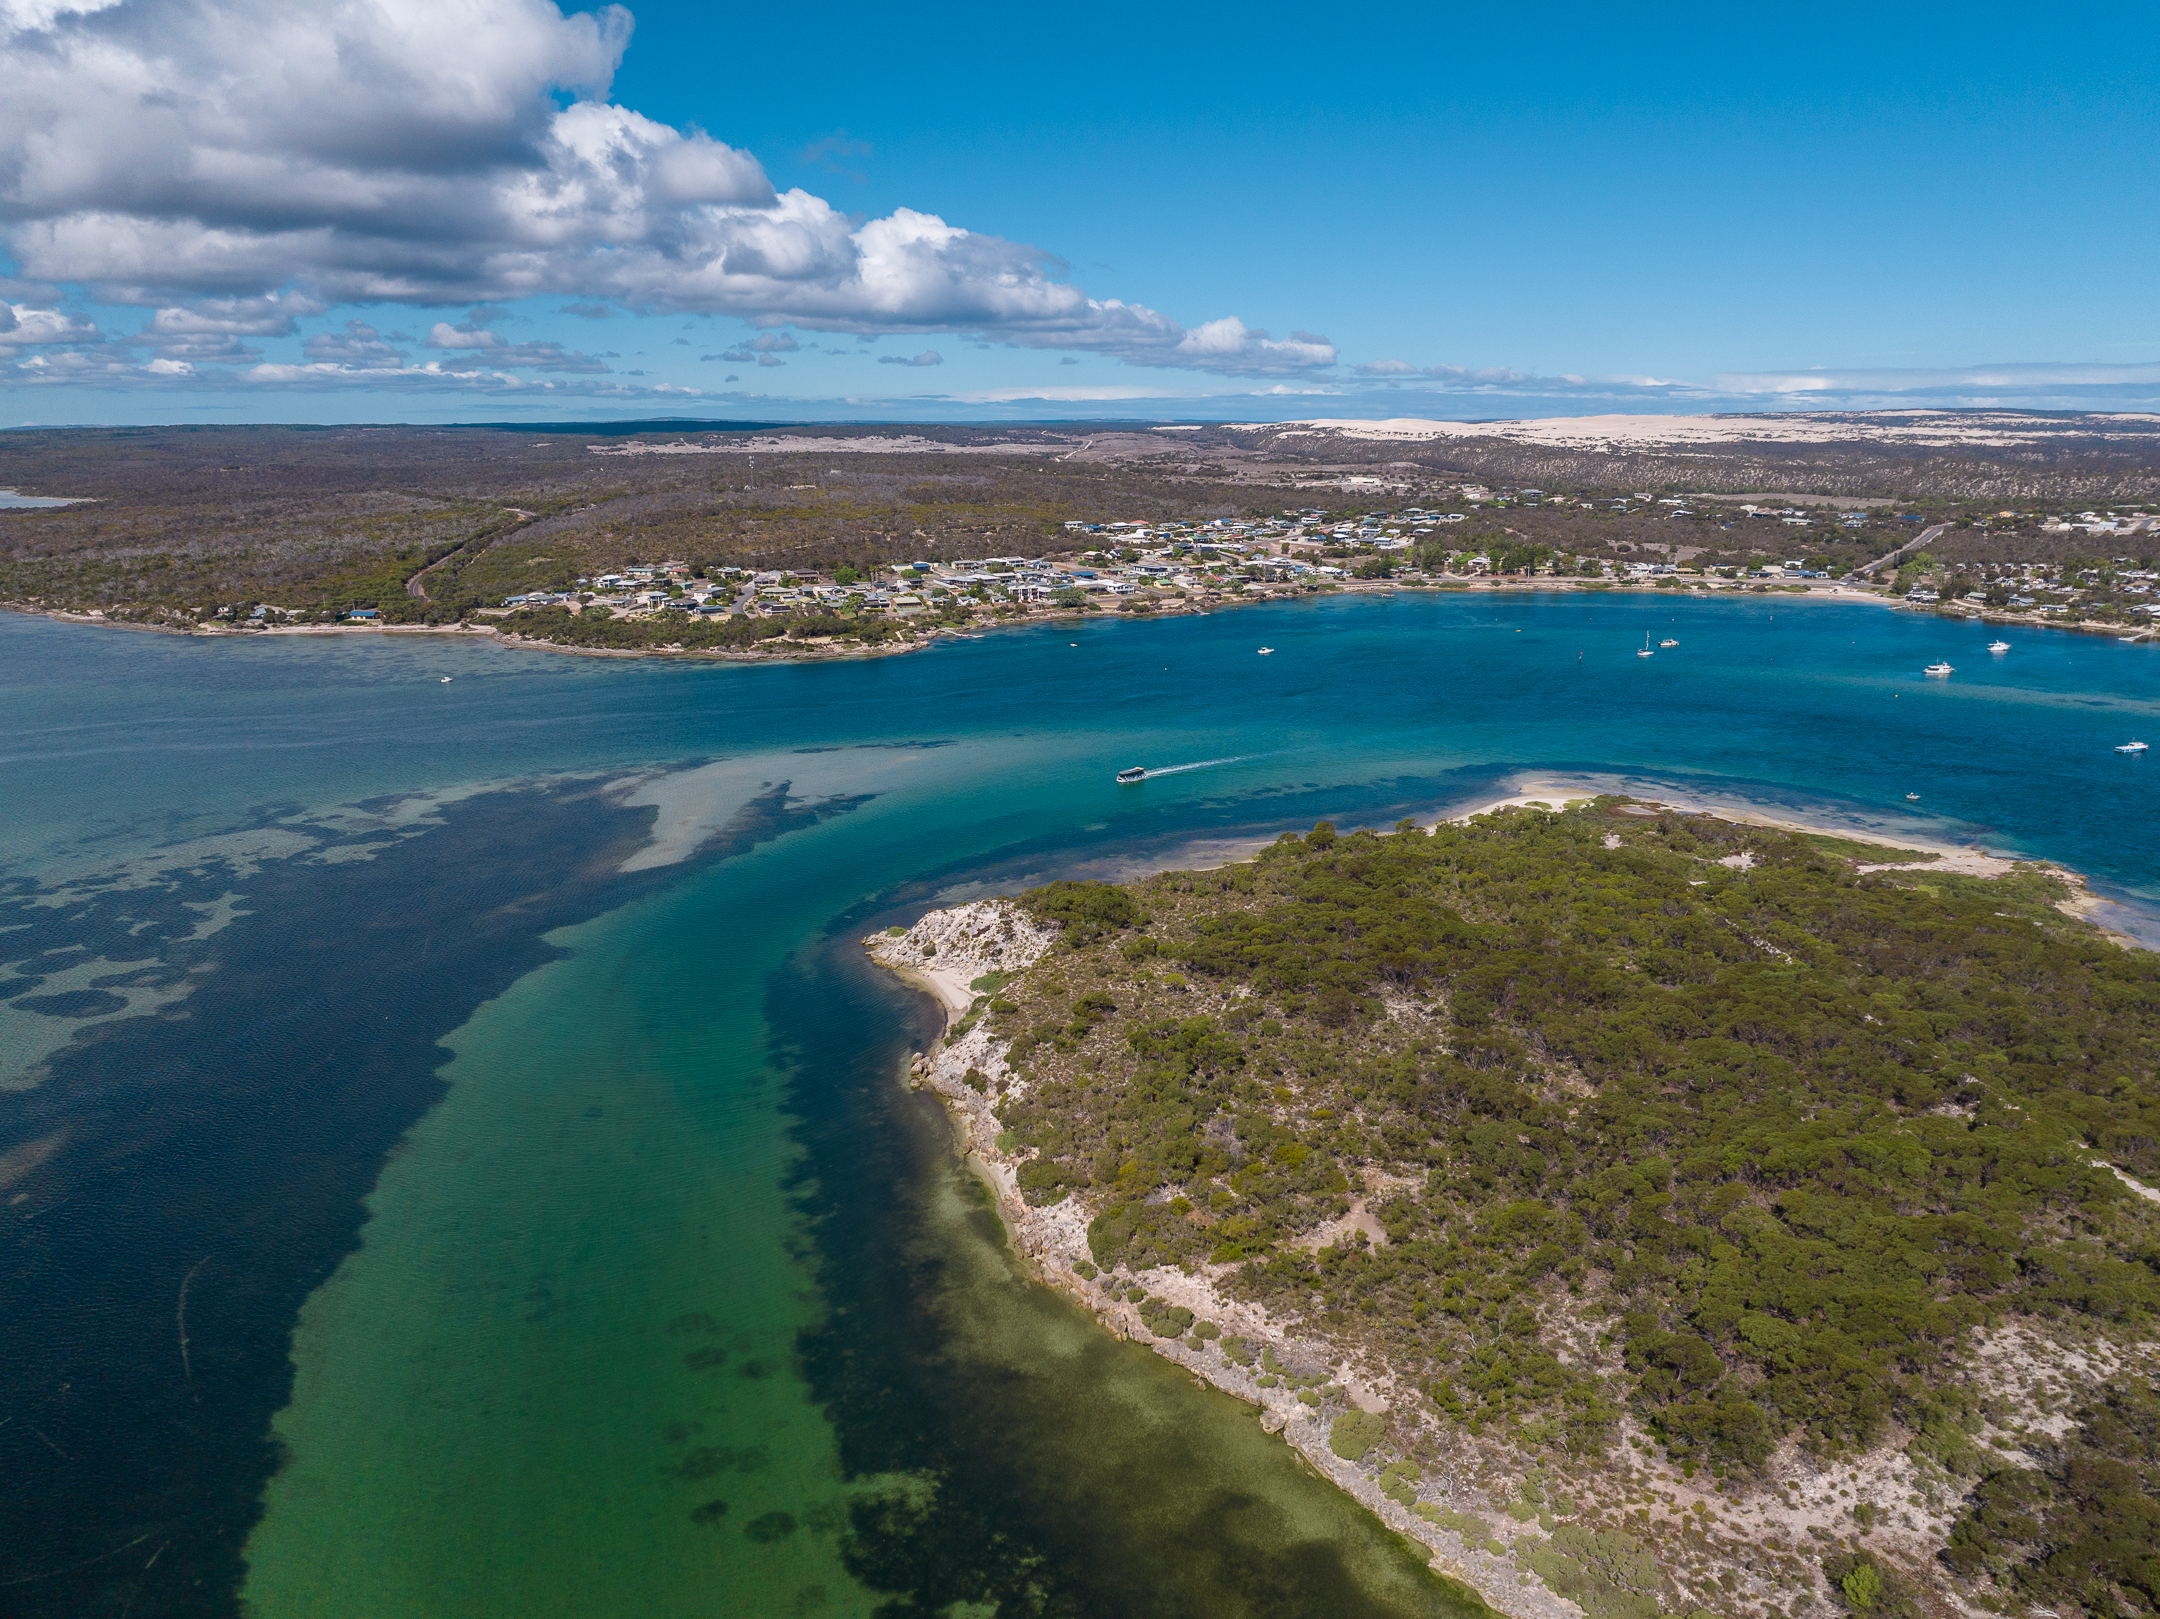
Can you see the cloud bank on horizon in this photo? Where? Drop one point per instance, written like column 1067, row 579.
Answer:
column 234, row 165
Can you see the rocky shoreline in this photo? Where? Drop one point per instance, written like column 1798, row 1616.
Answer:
column 947, row 951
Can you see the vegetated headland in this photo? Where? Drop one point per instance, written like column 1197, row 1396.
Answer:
column 747, row 541
column 1654, row 1214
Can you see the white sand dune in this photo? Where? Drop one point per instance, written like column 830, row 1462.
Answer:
column 1994, row 429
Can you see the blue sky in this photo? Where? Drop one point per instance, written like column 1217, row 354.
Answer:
column 495, row 209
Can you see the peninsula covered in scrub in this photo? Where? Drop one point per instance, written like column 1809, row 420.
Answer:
column 1652, row 1213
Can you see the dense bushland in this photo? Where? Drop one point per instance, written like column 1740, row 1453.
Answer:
column 1786, row 1133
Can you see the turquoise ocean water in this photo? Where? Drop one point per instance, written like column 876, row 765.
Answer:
column 451, row 1149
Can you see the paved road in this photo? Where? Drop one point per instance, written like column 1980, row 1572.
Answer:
column 1913, row 544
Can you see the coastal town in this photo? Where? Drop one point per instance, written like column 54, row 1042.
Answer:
column 1139, row 567
column 854, row 542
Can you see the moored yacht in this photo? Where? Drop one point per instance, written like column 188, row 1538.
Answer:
column 2131, row 747
column 1998, row 646
column 1938, row 669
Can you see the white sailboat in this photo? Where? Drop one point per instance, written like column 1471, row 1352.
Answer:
column 1646, row 652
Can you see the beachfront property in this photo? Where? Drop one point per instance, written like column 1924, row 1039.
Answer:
column 1136, row 565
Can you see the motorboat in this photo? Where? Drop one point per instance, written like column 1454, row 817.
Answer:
column 2131, row 747
column 1267, row 652
column 1127, row 777
column 1998, row 646
column 1668, row 641
column 446, row 680
column 1915, row 797
column 1938, row 669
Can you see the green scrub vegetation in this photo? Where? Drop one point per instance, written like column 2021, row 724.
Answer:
column 1749, row 1149
column 1607, row 1572
column 690, row 632
column 2083, row 1527
column 1355, row 1433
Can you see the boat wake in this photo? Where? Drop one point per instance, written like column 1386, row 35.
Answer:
column 1198, row 764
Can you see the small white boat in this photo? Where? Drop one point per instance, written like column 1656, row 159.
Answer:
column 1939, row 669
column 1267, row 652
column 2131, row 747
column 1668, row 641
column 1644, row 651
column 1998, row 646
column 1913, row 796
column 446, row 680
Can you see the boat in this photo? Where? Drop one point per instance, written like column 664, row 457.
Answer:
column 1267, row 651
column 1998, row 646
column 1127, row 777
column 2131, row 747
column 1668, row 641
column 1913, row 796
column 446, row 680
column 1644, row 650
column 1938, row 669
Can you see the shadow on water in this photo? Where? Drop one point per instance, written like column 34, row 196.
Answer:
column 1039, row 1466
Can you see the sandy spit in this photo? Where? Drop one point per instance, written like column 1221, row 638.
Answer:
column 1966, row 860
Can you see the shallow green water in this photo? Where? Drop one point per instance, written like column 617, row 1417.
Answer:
column 576, row 1290
column 572, row 1325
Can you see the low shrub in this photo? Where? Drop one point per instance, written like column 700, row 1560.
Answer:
column 1865, row 1587
column 1398, row 1482
column 1165, row 1320
column 1355, row 1434
column 1606, row 1573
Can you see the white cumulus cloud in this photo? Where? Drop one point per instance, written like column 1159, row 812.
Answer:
column 474, row 346
column 207, row 155
column 359, row 345
column 22, row 325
